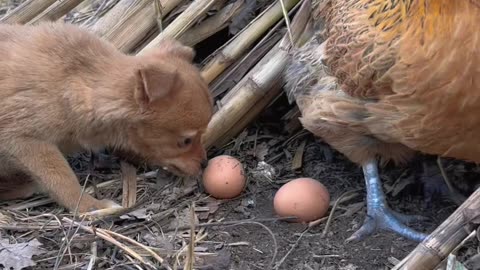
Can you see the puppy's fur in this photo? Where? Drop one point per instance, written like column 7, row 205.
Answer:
column 63, row 89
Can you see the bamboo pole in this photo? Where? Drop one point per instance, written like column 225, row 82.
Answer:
column 26, row 11
column 235, row 73
column 443, row 240
column 238, row 45
column 249, row 90
column 212, row 25
column 183, row 22
column 56, row 11
column 256, row 109
column 256, row 84
column 128, row 23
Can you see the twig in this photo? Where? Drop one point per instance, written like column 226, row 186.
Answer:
column 131, row 241
column 456, row 197
column 229, row 223
column 191, row 246
column 337, row 202
column 67, row 241
column 108, row 238
column 275, row 245
column 93, row 258
column 287, row 21
column 279, row 263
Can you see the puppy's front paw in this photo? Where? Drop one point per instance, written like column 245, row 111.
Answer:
column 102, row 208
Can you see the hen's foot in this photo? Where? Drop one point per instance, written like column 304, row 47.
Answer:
column 379, row 215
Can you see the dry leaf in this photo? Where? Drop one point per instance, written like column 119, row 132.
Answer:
column 140, row 213
column 261, row 151
column 353, row 209
column 399, row 185
column 183, row 219
column 18, row 256
column 220, row 260
column 159, row 242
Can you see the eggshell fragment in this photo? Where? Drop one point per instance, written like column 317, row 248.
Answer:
column 305, row 198
column 224, row 177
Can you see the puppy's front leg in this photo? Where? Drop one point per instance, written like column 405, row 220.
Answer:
column 51, row 171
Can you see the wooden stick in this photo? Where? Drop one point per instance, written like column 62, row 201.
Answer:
column 256, row 84
column 436, row 247
column 56, row 11
column 26, row 11
column 183, row 22
column 238, row 45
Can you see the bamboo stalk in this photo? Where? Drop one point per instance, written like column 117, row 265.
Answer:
column 56, row 11
column 26, row 11
column 212, row 25
column 441, row 242
column 250, row 89
column 128, row 23
column 235, row 73
column 183, row 22
column 119, row 13
column 251, row 114
column 83, row 8
column 238, row 45
column 256, row 84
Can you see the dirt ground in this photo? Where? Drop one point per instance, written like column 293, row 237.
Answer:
column 240, row 244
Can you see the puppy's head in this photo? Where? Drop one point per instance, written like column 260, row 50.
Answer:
column 175, row 107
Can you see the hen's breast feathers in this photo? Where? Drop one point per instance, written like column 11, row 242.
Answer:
column 408, row 71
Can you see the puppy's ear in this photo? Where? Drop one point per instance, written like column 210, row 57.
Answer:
column 171, row 46
column 154, row 84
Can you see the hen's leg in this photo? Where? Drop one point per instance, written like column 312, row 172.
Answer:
column 379, row 215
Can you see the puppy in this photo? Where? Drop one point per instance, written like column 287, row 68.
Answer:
column 63, row 89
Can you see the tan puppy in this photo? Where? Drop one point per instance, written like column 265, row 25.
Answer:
column 63, row 89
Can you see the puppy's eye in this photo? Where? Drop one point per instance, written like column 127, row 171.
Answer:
column 185, row 142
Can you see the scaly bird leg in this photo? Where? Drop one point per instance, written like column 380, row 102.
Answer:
column 379, row 215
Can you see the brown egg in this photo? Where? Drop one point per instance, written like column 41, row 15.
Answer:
column 305, row 198
column 224, row 177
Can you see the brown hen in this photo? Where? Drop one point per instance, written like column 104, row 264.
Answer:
column 381, row 79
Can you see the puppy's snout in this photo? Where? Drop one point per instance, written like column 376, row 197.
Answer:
column 204, row 164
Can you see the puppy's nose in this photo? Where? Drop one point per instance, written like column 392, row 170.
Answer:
column 204, row 164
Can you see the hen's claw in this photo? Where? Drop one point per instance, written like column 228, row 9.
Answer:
column 379, row 215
